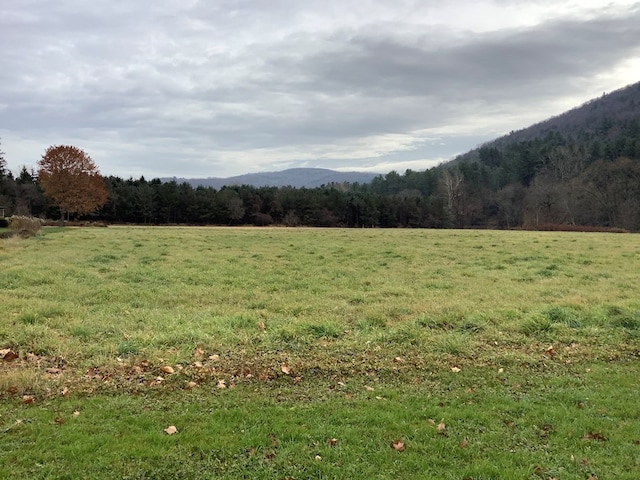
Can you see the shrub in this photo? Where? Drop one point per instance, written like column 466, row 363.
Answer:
column 24, row 226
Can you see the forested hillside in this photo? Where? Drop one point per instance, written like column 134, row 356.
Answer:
column 581, row 168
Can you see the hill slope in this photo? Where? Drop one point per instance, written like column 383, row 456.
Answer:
column 600, row 118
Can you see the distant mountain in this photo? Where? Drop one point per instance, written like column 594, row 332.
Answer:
column 598, row 118
column 293, row 177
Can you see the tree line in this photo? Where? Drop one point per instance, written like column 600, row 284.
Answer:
column 590, row 180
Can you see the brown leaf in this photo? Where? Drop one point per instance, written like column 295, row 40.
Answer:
column 171, row 430
column 167, row 369
column 318, row 458
column 191, row 385
column 8, row 355
column 65, row 391
column 332, row 442
column 53, row 370
column 398, row 360
column 369, row 389
column 262, row 326
column 199, row 352
column 442, row 428
column 285, row 369
column 398, row 445
column 592, row 476
column 221, row 384
column 12, row 390
column 595, row 436
column 463, row 443
column 215, row 357
column 550, row 351
column 274, row 440
column 455, row 370
column 27, row 399
column 59, row 420
column 76, row 413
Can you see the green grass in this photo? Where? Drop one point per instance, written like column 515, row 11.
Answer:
column 524, row 344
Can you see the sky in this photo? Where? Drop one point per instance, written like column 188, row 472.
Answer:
column 217, row 88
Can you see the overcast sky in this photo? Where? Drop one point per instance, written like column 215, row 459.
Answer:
column 193, row 88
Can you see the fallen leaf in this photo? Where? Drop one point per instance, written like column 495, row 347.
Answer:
column 59, row 420
column 285, row 369
column 12, row 390
column 501, row 370
column 442, row 428
column 53, row 370
column 27, row 399
column 76, row 413
column 191, row 385
column 368, row 388
column 332, row 441
column 592, row 476
column 455, row 370
column 463, row 443
column 581, row 405
column 274, row 440
column 398, row 359
column 318, row 458
column 199, row 352
column 171, row 430
column 398, row 445
column 262, row 326
column 221, row 384
column 167, row 369
column 595, row 436
column 550, row 351
column 215, row 357
column 65, row 391
column 197, row 364
column 8, row 355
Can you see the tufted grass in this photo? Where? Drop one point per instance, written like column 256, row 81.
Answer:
column 524, row 344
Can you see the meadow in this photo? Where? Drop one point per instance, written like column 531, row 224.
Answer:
column 319, row 353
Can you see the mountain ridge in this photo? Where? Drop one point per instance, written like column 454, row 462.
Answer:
column 292, row 177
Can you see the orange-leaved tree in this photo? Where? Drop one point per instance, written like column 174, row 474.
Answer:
column 69, row 177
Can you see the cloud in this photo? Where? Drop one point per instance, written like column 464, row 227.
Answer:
column 196, row 88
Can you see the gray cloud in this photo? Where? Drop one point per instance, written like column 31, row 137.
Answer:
column 219, row 88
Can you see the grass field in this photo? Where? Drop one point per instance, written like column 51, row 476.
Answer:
column 311, row 353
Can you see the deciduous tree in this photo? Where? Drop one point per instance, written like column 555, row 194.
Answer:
column 69, row 177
